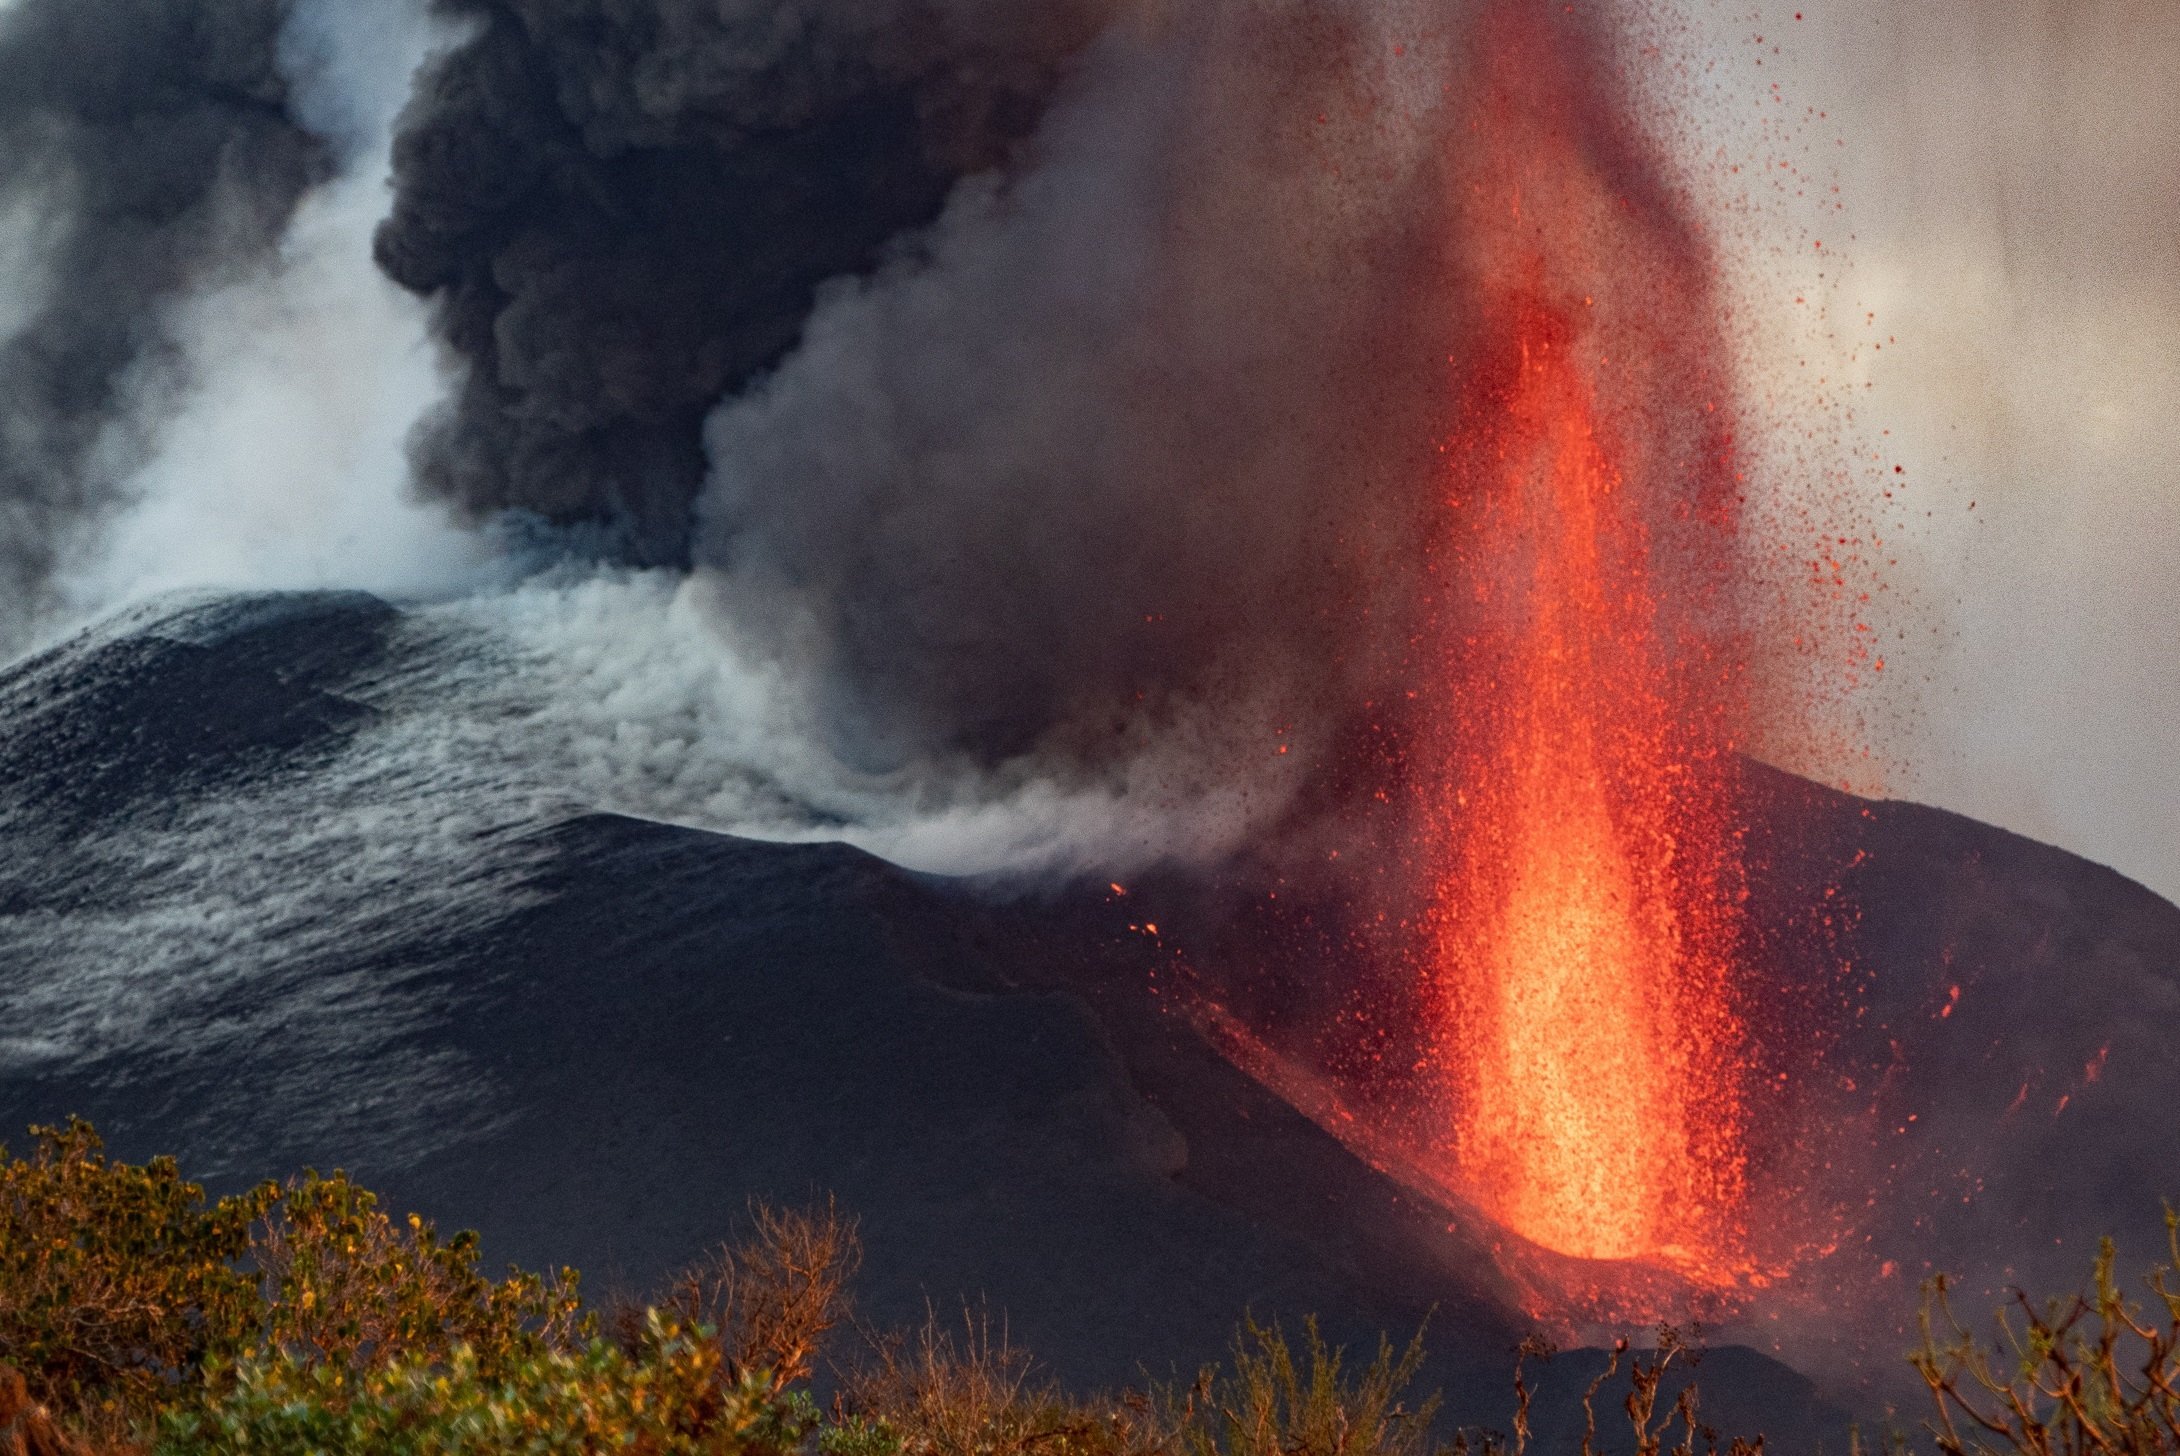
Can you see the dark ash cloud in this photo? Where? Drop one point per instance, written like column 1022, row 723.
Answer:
column 622, row 212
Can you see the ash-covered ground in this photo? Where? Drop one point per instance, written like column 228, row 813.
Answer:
column 284, row 884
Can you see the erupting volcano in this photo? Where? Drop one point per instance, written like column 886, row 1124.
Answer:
column 1578, row 820
column 1578, row 945
column 1542, row 1011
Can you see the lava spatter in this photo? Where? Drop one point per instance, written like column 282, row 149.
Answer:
column 1577, row 823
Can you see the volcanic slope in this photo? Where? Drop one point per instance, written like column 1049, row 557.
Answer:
column 252, row 914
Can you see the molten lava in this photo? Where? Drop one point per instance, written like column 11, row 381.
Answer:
column 1536, row 1017
column 1573, row 941
column 1583, row 924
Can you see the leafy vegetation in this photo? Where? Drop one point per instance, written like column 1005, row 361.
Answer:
column 118, row 1283
column 670, row 1396
column 138, row 1316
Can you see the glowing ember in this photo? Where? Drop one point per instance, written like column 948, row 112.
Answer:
column 1586, row 888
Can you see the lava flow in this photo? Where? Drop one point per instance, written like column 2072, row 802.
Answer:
column 1578, row 829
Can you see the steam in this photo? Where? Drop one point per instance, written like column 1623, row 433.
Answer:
column 278, row 443
column 148, row 153
column 211, row 385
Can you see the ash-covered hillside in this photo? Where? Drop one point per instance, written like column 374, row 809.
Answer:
column 254, row 914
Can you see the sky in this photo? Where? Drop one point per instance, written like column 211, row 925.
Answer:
column 1997, row 306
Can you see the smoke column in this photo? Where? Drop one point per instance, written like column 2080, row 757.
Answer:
column 622, row 213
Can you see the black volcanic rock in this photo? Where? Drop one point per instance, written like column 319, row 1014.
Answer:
column 220, row 692
column 245, row 921
column 2003, row 1088
column 636, row 1030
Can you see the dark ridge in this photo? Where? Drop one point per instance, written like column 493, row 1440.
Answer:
column 642, row 1027
column 627, row 1030
column 221, row 694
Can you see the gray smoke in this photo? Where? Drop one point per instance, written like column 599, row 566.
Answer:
column 622, row 211
column 1132, row 430
column 146, row 152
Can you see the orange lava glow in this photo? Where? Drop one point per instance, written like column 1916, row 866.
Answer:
column 1584, row 918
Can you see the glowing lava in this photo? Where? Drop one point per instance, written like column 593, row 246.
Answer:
column 1587, row 893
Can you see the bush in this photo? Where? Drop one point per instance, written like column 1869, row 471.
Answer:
column 341, row 1284
column 117, row 1282
column 125, row 1295
column 2094, row 1373
column 669, row 1398
column 774, row 1297
column 1274, row 1405
column 971, row 1392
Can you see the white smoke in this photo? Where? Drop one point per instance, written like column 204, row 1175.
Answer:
column 613, row 691
column 279, row 463
column 21, row 263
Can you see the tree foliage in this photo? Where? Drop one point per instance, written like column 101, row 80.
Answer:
column 118, row 1281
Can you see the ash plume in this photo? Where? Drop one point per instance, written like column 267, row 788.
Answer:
column 622, row 213
column 1126, row 440
column 146, row 151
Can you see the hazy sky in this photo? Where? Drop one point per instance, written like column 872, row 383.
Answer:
column 2008, row 192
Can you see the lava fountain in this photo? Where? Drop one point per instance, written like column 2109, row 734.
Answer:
column 1582, row 929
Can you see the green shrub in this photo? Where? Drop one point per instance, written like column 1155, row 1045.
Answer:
column 668, row 1398
column 342, row 1284
column 125, row 1295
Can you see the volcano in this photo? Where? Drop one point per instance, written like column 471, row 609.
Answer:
column 248, row 919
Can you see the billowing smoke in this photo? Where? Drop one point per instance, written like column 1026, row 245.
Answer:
column 146, row 152
column 1022, row 383
column 622, row 213
column 1034, row 385
column 1132, row 431
column 1022, row 389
